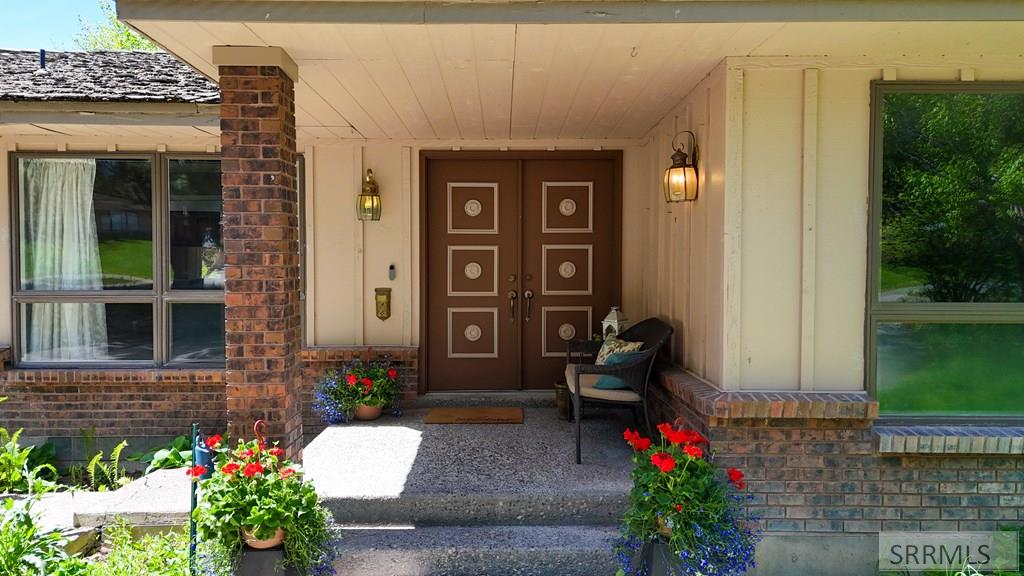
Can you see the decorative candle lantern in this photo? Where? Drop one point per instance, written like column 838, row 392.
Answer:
column 613, row 323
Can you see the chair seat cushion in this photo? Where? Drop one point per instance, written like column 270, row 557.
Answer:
column 588, row 388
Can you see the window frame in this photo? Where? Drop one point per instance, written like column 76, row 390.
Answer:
column 920, row 313
column 160, row 296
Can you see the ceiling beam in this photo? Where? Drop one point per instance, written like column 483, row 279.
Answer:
column 562, row 11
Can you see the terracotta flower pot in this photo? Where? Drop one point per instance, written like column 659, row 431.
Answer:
column 252, row 542
column 364, row 412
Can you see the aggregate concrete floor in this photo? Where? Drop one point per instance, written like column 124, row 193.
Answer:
column 397, row 470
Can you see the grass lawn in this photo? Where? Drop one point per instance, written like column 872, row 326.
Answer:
column 951, row 368
column 124, row 259
column 895, row 277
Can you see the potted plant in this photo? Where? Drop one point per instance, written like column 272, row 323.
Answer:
column 256, row 498
column 682, row 519
column 359, row 389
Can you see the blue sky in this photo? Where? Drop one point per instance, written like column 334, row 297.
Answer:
column 49, row 24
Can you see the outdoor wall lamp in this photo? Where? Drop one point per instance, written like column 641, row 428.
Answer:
column 368, row 203
column 681, row 178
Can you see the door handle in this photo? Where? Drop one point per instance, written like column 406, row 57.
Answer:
column 529, row 301
column 512, row 295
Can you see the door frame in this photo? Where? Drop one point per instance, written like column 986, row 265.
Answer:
column 518, row 155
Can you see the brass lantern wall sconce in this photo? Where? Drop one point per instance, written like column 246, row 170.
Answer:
column 682, row 181
column 368, row 203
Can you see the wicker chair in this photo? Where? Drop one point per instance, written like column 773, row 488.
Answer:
column 581, row 373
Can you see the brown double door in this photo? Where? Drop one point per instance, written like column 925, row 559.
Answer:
column 521, row 256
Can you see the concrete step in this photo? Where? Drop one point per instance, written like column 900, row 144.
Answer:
column 478, row 509
column 478, row 551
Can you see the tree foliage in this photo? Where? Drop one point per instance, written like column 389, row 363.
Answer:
column 112, row 34
column 953, row 193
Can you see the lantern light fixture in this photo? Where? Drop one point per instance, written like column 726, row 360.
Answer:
column 681, row 178
column 368, row 203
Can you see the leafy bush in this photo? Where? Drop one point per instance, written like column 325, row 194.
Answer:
column 677, row 501
column 176, row 454
column 153, row 554
column 25, row 550
column 20, row 471
column 257, row 489
column 355, row 384
column 104, row 476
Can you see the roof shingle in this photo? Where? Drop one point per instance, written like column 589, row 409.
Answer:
column 102, row 76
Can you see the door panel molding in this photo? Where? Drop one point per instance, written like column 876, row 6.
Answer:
column 472, row 335
column 567, row 269
column 547, row 339
column 567, row 207
column 470, row 273
column 473, row 207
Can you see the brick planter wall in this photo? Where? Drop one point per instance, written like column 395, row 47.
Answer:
column 318, row 360
column 813, row 465
column 158, row 404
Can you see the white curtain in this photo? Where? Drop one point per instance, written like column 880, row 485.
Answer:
column 60, row 251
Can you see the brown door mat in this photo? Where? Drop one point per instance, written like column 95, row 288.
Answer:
column 475, row 415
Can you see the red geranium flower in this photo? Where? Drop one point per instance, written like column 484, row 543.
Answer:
column 276, row 452
column 679, row 507
column 367, row 382
column 663, row 461
column 230, row 468
column 680, row 436
column 639, row 443
column 196, row 471
column 736, row 477
column 213, row 441
column 351, row 379
column 393, row 374
column 693, row 451
column 287, row 472
column 252, row 469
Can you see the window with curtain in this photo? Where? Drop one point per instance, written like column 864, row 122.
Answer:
column 117, row 264
column 946, row 296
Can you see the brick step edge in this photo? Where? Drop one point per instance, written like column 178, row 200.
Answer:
column 481, row 510
column 478, row 551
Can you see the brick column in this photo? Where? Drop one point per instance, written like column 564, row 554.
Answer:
column 261, row 246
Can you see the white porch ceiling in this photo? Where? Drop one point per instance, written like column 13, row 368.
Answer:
column 542, row 81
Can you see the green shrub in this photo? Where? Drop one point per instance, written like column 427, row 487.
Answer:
column 153, row 554
column 176, row 454
column 104, row 476
column 26, row 550
column 20, row 471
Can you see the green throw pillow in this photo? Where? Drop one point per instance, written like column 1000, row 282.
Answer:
column 615, row 346
column 608, row 382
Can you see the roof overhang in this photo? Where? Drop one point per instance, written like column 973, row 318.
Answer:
column 568, row 12
column 110, row 113
column 533, row 70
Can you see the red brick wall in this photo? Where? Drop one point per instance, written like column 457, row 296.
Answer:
column 263, row 322
column 161, row 403
column 824, row 474
column 63, row 403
